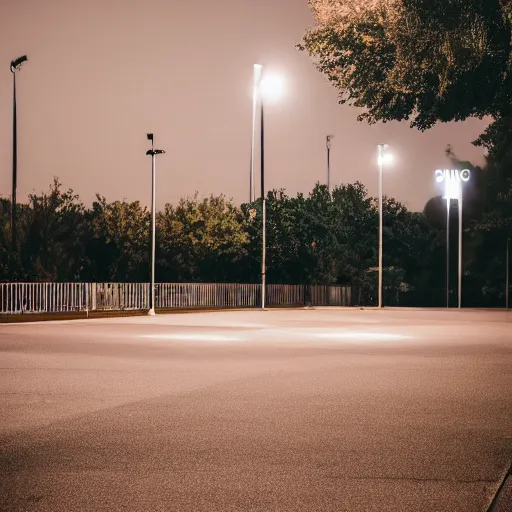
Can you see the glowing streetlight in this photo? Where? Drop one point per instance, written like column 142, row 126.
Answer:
column 266, row 87
column 153, row 152
column 15, row 66
column 255, row 88
column 328, row 146
column 272, row 87
column 383, row 158
column 453, row 180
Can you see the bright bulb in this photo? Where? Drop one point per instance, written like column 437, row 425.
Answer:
column 272, row 87
column 257, row 73
column 452, row 189
column 386, row 159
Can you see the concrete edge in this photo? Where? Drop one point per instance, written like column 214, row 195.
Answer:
column 20, row 318
column 497, row 504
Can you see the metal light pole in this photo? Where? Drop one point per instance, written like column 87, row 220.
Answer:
column 264, row 86
column 460, row 244
column 153, row 152
column 381, row 149
column 15, row 66
column 328, row 145
column 453, row 189
column 255, row 86
column 448, row 252
column 263, row 210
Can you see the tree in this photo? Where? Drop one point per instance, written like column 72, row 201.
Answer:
column 5, row 239
column 201, row 240
column 52, row 239
column 492, row 223
column 119, row 246
column 423, row 60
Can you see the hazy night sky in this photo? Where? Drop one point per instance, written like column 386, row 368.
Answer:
column 102, row 73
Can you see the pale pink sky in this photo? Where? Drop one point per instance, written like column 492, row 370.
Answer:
column 102, row 73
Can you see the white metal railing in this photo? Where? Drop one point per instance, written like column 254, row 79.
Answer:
column 119, row 296
column 329, row 295
column 201, row 295
column 285, row 295
column 43, row 297
column 69, row 297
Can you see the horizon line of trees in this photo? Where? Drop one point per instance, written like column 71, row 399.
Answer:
column 318, row 238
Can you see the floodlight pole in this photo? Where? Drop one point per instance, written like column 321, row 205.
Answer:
column 15, row 66
column 255, row 86
column 14, row 165
column 381, row 149
column 263, row 211
column 328, row 145
column 448, row 252
column 153, row 152
column 460, row 244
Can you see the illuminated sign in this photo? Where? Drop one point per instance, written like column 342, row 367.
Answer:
column 453, row 179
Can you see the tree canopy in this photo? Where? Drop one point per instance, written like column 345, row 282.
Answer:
column 419, row 60
column 316, row 238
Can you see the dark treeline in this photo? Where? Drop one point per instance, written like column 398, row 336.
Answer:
column 319, row 238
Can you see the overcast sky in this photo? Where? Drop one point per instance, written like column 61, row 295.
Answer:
column 102, row 73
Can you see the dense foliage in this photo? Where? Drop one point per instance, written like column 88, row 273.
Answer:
column 424, row 60
column 319, row 238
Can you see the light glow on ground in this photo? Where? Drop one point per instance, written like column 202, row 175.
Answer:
column 193, row 337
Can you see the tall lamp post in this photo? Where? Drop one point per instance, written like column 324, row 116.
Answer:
column 153, row 152
column 383, row 158
column 453, row 180
column 263, row 209
column 266, row 86
column 255, row 88
column 15, row 66
column 460, row 248
column 448, row 201
column 328, row 145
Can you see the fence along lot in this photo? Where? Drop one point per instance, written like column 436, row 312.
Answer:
column 73, row 297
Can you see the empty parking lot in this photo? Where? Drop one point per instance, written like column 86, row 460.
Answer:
column 331, row 409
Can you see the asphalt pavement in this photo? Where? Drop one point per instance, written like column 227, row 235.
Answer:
column 308, row 410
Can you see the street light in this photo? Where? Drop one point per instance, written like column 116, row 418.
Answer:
column 15, row 66
column 328, row 144
column 153, row 152
column 255, row 87
column 266, row 87
column 453, row 180
column 384, row 158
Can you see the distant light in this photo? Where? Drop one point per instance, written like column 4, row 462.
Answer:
column 465, row 175
column 272, row 87
column 16, row 63
column 257, row 74
column 386, row 159
column 452, row 179
column 452, row 189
